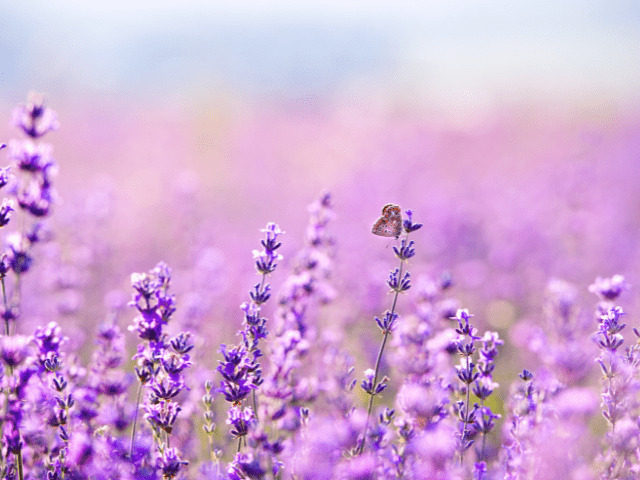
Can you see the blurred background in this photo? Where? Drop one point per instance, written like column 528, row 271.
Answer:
column 510, row 128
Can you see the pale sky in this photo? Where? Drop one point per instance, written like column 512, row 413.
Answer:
column 486, row 48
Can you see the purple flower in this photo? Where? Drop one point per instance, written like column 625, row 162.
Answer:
column 609, row 328
column 116, row 415
column 152, row 297
column 387, row 323
column 49, row 339
column 241, row 420
column 266, row 261
column 560, row 301
column 609, row 322
column 325, row 440
column 260, row 296
column 238, row 371
column 146, row 286
column 170, row 463
column 162, row 414
column 408, row 224
column 526, row 375
column 80, row 450
column 5, row 209
column 166, row 390
column 463, row 315
column 479, row 419
column 367, row 384
column 34, row 118
column 14, row 350
column 114, row 384
column 362, row 467
column 396, row 284
column 245, row 466
column 488, row 352
column 480, row 471
column 432, row 449
column 31, row 157
column 149, row 326
column 174, row 365
column 5, row 176
column 626, row 436
column 609, row 288
column 406, row 250
column 38, row 233
column 424, row 404
column 485, row 420
column 160, row 362
column 465, row 371
column 255, row 329
column 18, row 254
column 36, row 198
column 12, row 441
column 181, row 345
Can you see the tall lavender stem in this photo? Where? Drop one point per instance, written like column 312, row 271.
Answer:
column 241, row 369
column 161, row 362
column 3, row 273
column 376, row 370
column 481, row 382
column 34, row 195
column 398, row 283
column 135, row 420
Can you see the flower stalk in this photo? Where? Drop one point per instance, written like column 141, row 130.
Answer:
column 399, row 282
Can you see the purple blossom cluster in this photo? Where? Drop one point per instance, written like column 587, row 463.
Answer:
column 442, row 395
column 161, row 362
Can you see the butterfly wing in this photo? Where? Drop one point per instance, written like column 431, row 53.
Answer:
column 390, row 224
column 382, row 228
column 391, row 210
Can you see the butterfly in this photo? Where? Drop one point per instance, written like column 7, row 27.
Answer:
column 390, row 223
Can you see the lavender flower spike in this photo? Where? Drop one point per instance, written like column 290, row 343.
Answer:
column 241, row 370
column 5, row 175
column 620, row 386
column 161, row 362
column 399, row 283
column 5, row 209
column 477, row 378
column 34, row 118
column 609, row 288
column 266, row 260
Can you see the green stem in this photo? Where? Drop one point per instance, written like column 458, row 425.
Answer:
column 378, row 361
column 253, row 393
column 135, row 422
column 611, row 375
column 19, row 462
column 7, row 333
column 16, row 296
column 484, row 437
column 214, row 457
column 255, row 404
column 371, row 396
column 484, row 442
column 6, row 305
column 466, row 413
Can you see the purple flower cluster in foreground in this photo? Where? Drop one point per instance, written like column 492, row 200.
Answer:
column 155, row 400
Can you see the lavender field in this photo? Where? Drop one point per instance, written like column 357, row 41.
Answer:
column 319, row 248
